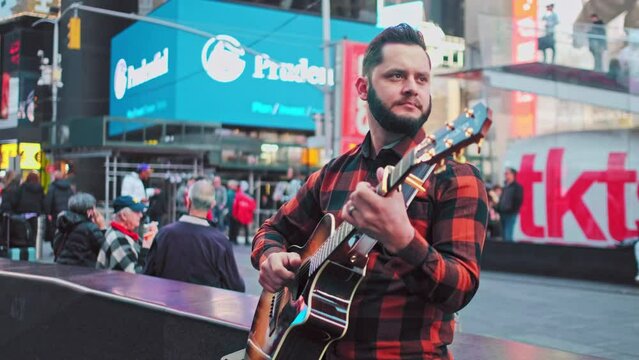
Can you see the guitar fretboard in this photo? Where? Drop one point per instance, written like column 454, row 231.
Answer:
column 345, row 230
column 341, row 233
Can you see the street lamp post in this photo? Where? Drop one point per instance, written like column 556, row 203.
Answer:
column 328, row 113
column 55, row 74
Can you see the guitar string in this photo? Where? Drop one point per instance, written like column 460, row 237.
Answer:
column 344, row 230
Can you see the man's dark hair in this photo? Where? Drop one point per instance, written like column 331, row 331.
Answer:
column 398, row 34
column 513, row 171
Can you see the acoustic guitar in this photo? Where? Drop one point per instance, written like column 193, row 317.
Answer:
column 301, row 320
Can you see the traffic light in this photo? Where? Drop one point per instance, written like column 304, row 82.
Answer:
column 74, row 33
column 42, row 106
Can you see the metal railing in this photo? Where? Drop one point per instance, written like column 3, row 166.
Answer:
column 222, row 146
column 504, row 42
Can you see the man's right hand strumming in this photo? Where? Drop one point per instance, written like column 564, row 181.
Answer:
column 278, row 269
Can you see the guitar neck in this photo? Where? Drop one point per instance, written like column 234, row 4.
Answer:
column 346, row 230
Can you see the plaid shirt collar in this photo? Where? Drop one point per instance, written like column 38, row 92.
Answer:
column 400, row 147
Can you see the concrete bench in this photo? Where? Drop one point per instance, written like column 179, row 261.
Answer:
column 56, row 311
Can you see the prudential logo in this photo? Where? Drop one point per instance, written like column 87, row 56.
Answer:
column 127, row 77
column 119, row 79
column 222, row 58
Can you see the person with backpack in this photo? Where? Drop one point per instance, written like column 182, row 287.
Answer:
column 242, row 214
column 80, row 232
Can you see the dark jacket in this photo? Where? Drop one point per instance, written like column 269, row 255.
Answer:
column 191, row 250
column 57, row 198
column 77, row 240
column 511, row 199
column 30, row 199
column 157, row 207
column 9, row 197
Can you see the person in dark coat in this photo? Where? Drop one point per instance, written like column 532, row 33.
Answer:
column 79, row 232
column 30, row 197
column 10, row 192
column 29, row 204
column 56, row 201
column 509, row 203
column 192, row 250
column 57, row 197
column 11, row 184
column 158, row 205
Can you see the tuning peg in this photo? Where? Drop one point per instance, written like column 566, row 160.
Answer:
column 415, row 182
column 450, row 126
column 449, row 143
column 424, row 158
column 459, row 156
column 469, row 132
column 441, row 166
column 470, row 113
column 431, row 139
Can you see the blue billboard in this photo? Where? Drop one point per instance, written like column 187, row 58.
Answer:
column 262, row 68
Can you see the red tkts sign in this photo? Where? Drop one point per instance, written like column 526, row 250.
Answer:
column 354, row 119
column 584, row 191
column 563, row 199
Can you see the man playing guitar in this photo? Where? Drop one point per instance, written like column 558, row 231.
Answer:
column 425, row 266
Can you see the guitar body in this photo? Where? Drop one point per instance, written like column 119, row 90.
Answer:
column 303, row 319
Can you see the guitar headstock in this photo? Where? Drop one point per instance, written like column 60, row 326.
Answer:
column 469, row 128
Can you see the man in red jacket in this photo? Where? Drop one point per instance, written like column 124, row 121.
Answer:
column 242, row 214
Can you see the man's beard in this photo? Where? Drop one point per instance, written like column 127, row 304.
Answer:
column 391, row 122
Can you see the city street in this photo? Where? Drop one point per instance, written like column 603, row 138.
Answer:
column 577, row 316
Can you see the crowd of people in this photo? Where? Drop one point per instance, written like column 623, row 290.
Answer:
column 622, row 64
column 211, row 216
column 23, row 200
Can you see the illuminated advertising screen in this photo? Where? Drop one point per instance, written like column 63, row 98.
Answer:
column 354, row 109
column 262, row 67
column 30, row 155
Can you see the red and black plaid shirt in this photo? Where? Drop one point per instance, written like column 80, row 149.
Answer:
column 404, row 308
